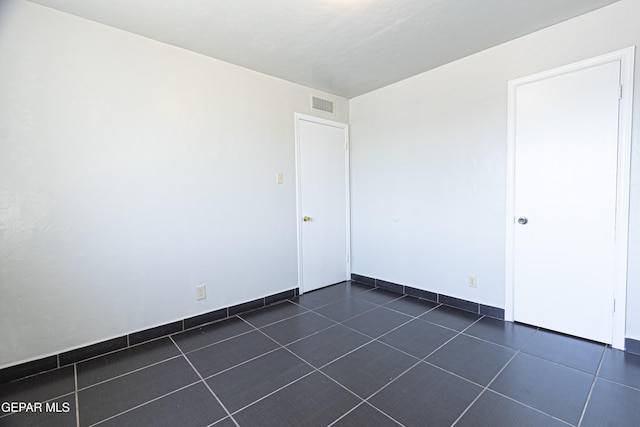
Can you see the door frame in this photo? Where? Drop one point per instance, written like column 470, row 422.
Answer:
column 299, row 117
column 619, row 303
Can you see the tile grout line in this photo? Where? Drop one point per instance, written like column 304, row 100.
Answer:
column 75, row 379
column 377, row 339
column 365, row 403
column 619, row 384
column 272, row 323
column 491, row 342
column 556, row 362
column 241, row 363
column 531, row 407
column 347, row 413
column 97, row 356
column 412, row 318
column 332, row 302
column 423, row 360
column 314, row 370
column 371, row 339
column 129, row 372
column 485, row 388
column 144, row 403
column 593, row 385
column 214, row 343
column 206, row 385
column 518, row 351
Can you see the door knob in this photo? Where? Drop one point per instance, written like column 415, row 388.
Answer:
column 523, row 220
column 306, row 218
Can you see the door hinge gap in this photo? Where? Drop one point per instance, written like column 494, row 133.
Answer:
column 619, row 91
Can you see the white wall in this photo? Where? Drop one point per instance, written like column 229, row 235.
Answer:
column 130, row 172
column 429, row 162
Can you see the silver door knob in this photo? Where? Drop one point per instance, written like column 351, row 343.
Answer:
column 523, row 220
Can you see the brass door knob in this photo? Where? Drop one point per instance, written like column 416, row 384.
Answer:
column 306, row 218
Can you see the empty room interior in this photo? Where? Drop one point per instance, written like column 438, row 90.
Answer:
column 319, row 213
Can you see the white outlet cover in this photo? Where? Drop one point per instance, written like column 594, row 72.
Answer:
column 201, row 292
column 472, row 281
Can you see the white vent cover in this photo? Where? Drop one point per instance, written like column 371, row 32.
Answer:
column 320, row 104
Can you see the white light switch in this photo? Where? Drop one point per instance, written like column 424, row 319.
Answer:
column 279, row 178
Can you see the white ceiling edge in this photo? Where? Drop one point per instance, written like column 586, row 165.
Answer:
column 343, row 47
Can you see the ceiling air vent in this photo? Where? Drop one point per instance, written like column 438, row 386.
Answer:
column 320, row 104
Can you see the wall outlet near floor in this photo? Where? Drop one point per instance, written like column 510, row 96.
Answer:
column 472, row 281
column 201, row 292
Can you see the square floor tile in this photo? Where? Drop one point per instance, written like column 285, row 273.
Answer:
column 377, row 322
column 621, row 367
column 111, row 365
column 476, row 360
column 612, row 404
column 211, row 334
column 41, row 387
column 369, row 368
column 330, row 294
column 450, row 317
column 193, row 406
column 508, row 334
column 273, row 313
column 379, row 296
column 411, row 306
column 557, row 390
column 246, row 383
column 568, row 351
column 494, row 410
column 59, row 412
column 226, row 354
column 112, row 397
column 345, row 309
column 365, row 415
column 426, row 395
column 293, row 329
column 418, row 338
column 327, row 345
column 314, row 400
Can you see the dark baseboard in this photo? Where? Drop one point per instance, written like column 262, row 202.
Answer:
column 632, row 346
column 34, row 367
column 462, row 304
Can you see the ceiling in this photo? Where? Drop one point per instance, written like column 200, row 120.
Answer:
column 344, row 47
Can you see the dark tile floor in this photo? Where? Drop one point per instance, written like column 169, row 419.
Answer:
column 346, row 355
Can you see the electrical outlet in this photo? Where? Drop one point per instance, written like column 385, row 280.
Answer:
column 472, row 281
column 201, row 292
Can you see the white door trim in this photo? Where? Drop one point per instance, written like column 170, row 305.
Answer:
column 627, row 61
column 304, row 117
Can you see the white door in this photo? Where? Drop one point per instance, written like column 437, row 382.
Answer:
column 323, row 202
column 566, row 144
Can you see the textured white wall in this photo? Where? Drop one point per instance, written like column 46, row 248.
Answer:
column 429, row 162
column 130, row 172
